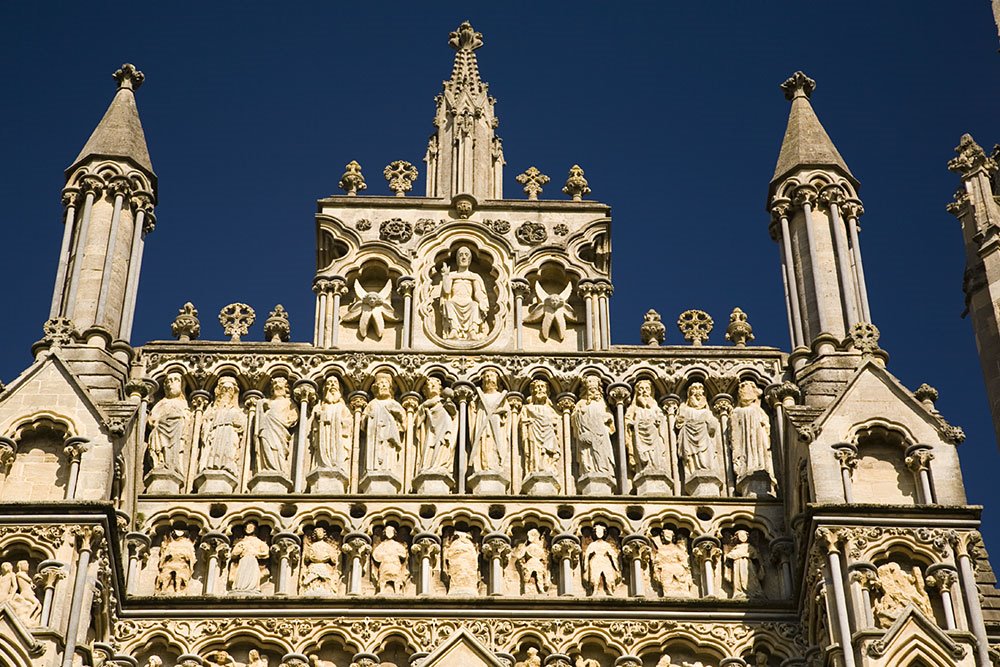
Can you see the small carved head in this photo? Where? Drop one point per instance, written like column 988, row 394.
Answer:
column 742, row 535
column 463, row 257
column 227, row 391
column 748, row 393
column 600, row 531
column 696, row 396
column 6, row 568
column 539, row 391
column 319, row 534
column 279, row 387
column 390, row 531
column 644, row 389
column 534, row 535
column 331, row 390
column 432, row 387
column 22, row 566
column 464, row 205
column 491, row 380
column 592, row 385
column 667, row 536
column 383, row 385
column 173, row 385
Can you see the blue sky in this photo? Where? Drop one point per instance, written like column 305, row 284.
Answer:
column 252, row 109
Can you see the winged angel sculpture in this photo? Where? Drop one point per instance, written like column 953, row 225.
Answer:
column 553, row 310
column 371, row 310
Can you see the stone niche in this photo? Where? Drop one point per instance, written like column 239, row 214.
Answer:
column 372, row 310
column 554, row 311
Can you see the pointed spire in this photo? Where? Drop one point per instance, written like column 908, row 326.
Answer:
column 119, row 134
column 806, row 143
column 465, row 40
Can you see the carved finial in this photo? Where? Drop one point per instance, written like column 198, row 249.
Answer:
column 696, row 325
column 576, row 184
column 186, row 326
column 59, row 331
column 798, row 85
column 864, row 336
column 927, row 395
column 465, row 38
column 971, row 158
column 276, row 327
column 129, row 77
column 352, row 181
column 532, row 180
column 400, row 175
column 236, row 319
column 652, row 331
column 739, row 330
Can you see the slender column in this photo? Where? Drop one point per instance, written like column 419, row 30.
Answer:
column 328, row 315
column 252, row 405
column 918, row 460
column 853, row 210
column 847, row 455
column 805, row 196
column 87, row 538
column 74, row 449
column 93, row 187
column 788, row 297
column 50, row 573
column 779, row 211
column 496, row 549
column 142, row 205
column 286, row 549
column 137, row 546
column 707, row 552
column 964, row 544
column 358, row 401
column 565, row 403
column 619, row 394
column 637, row 552
column 834, row 197
column 319, row 325
column 357, row 547
column 605, row 290
column 304, row 392
column 425, row 547
column 410, row 402
column 200, row 400
column 516, row 401
column 69, row 197
column 216, row 548
column 405, row 286
column 121, row 187
column 464, row 391
column 670, row 404
column 519, row 286
column 722, row 404
column 863, row 578
column 566, row 549
column 782, row 550
column 339, row 288
column 588, row 292
column 829, row 541
column 942, row 577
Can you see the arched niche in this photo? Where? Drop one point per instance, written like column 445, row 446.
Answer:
column 40, row 469
column 372, row 303
column 882, row 476
column 554, row 312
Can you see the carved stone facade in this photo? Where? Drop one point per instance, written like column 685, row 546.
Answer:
column 460, row 466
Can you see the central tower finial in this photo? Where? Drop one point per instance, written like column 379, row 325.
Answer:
column 129, row 77
column 465, row 38
column 798, row 85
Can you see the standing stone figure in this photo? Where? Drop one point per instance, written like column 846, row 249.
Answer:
column 176, row 563
column 222, row 434
column 464, row 302
column 320, row 565
column 750, row 430
column 601, row 570
column 699, row 442
column 745, row 567
column 593, row 425
column 646, row 430
column 490, row 437
column 384, row 423
column 900, row 589
column 461, row 564
column 540, row 441
column 532, row 560
column 169, row 437
column 438, row 434
column 276, row 420
column 672, row 565
column 332, row 438
column 18, row 592
column 250, row 556
column 389, row 559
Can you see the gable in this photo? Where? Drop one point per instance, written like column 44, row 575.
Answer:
column 461, row 649
column 48, row 388
column 913, row 636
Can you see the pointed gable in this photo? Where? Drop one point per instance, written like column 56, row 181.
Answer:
column 914, row 636
column 48, row 386
column 461, row 649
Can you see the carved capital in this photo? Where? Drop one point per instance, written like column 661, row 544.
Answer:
column 706, row 548
column 847, row 455
column 782, row 550
column 566, row 547
column 285, row 546
column 87, row 538
column 8, row 450
column 636, row 547
column 804, row 195
column 305, row 391
column 516, row 401
column 829, row 540
column 852, row 209
column 426, row 545
column 70, row 197
column 137, row 544
column 120, row 186
column 215, row 545
column 919, row 458
column 798, row 85
column 410, row 401
column 365, row 660
column 619, row 393
column 780, row 207
column 337, row 286
column 92, row 184
column 496, row 545
column 557, row 660
column 75, row 448
column 785, row 393
column 464, row 391
column 200, row 400
column 722, row 404
column 941, row 577
column 50, row 573
column 358, row 400
column 519, row 287
column 832, row 195
column 405, row 285
column 357, row 545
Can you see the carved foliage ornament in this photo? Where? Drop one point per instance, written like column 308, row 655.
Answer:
column 236, row 320
column 739, row 330
column 395, row 230
column 576, row 185
column 400, row 175
column 695, row 325
column 971, row 158
column 352, row 181
column 652, row 331
column 533, row 181
column 531, row 233
column 277, row 329
column 186, row 326
column 59, row 331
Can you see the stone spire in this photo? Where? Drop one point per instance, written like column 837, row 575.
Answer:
column 464, row 156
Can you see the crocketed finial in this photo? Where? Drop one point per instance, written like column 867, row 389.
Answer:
column 465, row 38
column 797, row 85
column 129, row 77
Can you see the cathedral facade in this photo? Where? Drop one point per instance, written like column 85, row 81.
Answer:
column 461, row 467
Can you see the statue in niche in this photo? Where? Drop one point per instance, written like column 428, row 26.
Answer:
column 464, row 301
column 750, row 429
column 438, row 431
column 249, row 556
column 18, row 592
column 489, row 432
column 169, row 422
column 389, row 557
column 601, row 570
column 461, row 564
column 672, row 564
column 221, row 659
column 384, row 423
column 371, row 310
column 256, row 659
column 154, row 661
column 646, row 428
column 900, row 589
column 580, row 661
column 315, row 661
column 540, row 433
column 553, row 310
column 320, row 565
column 699, row 442
column 176, row 563
column 744, row 567
column 222, row 429
column 532, row 659
column 593, row 425
column 277, row 417
column 332, row 429
column 532, row 560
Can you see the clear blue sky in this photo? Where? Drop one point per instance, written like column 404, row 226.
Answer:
column 251, row 111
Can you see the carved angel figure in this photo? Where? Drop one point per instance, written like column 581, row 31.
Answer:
column 532, row 559
column 600, row 564
column 176, row 564
column 389, row 559
column 553, row 310
column 320, row 565
column 371, row 310
column 169, row 423
column 900, row 589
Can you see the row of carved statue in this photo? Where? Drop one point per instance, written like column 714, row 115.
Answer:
column 460, row 439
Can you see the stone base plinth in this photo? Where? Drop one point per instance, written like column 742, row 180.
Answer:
column 270, row 481
column 433, row 483
column 327, row 480
column 488, row 484
column 215, row 481
column 380, row 482
column 703, row 485
column 595, row 485
column 163, row 481
column 540, row 484
column 756, row 485
column 653, row 484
